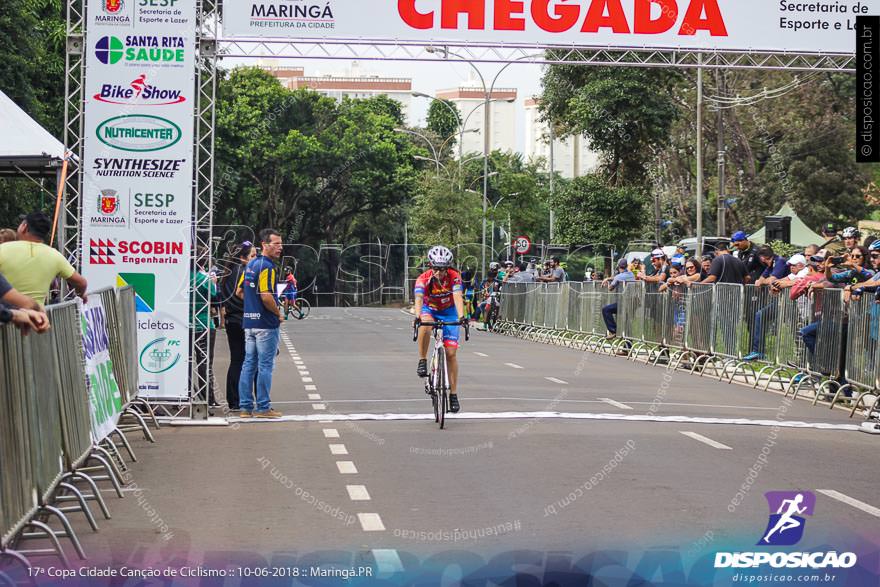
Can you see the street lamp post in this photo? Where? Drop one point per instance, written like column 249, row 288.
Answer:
column 486, row 119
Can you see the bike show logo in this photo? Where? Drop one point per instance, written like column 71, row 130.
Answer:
column 160, row 355
column 140, row 168
column 140, row 133
column 136, row 252
column 113, row 13
column 137, row 50
column 144, row 285
column 108, row 210
column 785, row 527
column 140, row 93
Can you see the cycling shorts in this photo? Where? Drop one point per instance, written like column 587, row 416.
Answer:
column 450, row 333
column 290, row 294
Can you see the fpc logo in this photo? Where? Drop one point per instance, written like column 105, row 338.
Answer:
column 786, row 524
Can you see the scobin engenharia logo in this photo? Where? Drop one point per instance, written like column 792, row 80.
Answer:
column 785, row 527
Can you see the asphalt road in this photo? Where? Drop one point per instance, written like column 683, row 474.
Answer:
column 606, row 455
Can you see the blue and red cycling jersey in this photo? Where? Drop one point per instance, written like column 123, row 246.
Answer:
column 437, row 292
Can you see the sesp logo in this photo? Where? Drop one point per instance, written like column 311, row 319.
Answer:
column 160, row 355
column 786, row 524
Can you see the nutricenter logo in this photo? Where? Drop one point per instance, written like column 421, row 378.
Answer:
column 141, row 49
column 138, row 133
column 785, row 527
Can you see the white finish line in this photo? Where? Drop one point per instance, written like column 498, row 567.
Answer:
column 555, row 416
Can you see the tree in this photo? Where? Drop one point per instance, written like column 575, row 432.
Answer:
column 625, row 113
column 441, row 213
column 590, row 210
column 444, row 120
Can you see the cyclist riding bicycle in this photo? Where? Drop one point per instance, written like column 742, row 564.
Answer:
column 467, row 285
column 290, row 291
column 490, row 285
column 438, row 296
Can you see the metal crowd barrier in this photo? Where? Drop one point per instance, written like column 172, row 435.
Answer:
column 48, row 454
column 712, row 329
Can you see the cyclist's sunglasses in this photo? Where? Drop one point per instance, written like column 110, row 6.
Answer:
column 875, row 255
column 439, row 268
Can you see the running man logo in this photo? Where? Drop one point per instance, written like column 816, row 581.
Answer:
column 786, row 524
column 144, row 285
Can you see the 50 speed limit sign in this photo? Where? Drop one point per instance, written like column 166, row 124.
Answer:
column 522, row 245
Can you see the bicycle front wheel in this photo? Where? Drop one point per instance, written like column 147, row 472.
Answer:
column 440, row 405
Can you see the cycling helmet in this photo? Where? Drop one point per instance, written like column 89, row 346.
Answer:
column 494, row 266
column 850, row 232
column 440, row 257
column 875, row 246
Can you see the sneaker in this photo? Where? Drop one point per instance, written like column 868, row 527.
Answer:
column 270, row 413
column 246, row 414
column 753, row 356
column 454, row 406
column 422, row 369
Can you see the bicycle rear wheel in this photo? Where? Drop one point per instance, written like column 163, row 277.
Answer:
column 441, row 401
column 304, row 308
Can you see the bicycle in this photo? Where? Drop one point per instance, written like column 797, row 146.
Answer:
column 300, row 309
column 437, row 382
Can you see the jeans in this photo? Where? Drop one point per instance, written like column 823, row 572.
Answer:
column 763, row 318
column 808, row 334
column 608, row 314
column 235, row 338
column 260, row 346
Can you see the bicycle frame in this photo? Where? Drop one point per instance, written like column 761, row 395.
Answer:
column 437, row 383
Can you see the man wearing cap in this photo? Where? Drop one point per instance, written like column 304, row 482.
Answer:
column 30, row 264
column 610, row 311
column 797, row 266
column 747, row 252
column 661, row 268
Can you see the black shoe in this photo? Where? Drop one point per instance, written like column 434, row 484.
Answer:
column 453, row 403
column 422, row 369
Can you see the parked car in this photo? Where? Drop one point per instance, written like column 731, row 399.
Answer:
column 710, row 244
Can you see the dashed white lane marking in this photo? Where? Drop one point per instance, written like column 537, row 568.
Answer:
column 307, row 380
column 514, row 365
column 315, row 388
column 314, row 396
column 387, row 562
column 319, row 407
column 331, row 433
column 346, row 467
column 555, row 380
column 357, row 493
column 611, row 402
column 556, row 416
column 305, row 373
column 480, row 354
column 868, row 509
column 705, row 440
column 338, row 449
column 371, row 522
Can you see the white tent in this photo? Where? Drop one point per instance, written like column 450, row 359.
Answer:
column 26, row 148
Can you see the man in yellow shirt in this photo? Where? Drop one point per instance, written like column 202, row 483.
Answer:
column 30, row 264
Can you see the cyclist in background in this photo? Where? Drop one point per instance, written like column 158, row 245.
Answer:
column 467, row 285
column 438, row 296
column 290, row 291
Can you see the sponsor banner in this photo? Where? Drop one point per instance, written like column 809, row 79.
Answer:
column 747, row 25
column 105, row 401
column 138, row 169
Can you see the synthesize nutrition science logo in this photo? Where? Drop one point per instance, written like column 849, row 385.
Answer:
column 141, row 133
column 785, row 527
column 139, row 93
column 142, row 49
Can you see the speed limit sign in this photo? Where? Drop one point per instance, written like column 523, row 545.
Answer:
column 522, row 245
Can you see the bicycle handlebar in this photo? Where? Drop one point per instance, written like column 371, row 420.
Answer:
column 440, row 324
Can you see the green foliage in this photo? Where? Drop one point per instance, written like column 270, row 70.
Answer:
column 443, row 214
column 625, row 113
column 590, row 210
column 784, row 249
column 444, row 119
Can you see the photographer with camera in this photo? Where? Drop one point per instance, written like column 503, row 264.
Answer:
column 852, row 267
